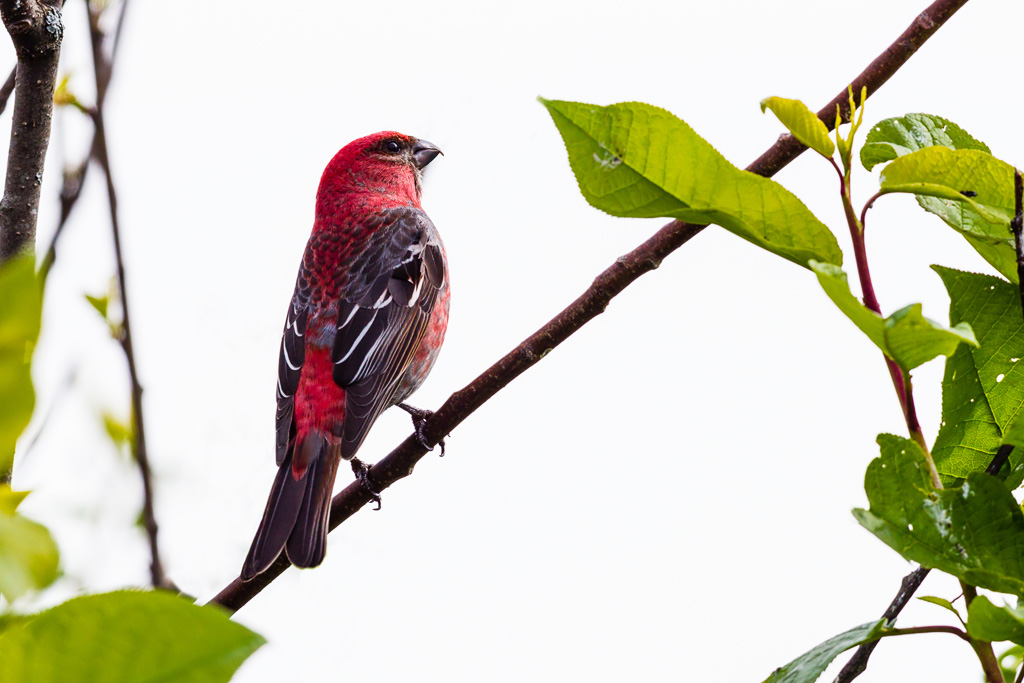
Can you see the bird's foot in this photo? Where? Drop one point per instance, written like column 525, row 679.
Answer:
column 419, row 423
column 362, row 472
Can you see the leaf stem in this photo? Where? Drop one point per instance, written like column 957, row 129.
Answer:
column 868, row 205
column 914, row 630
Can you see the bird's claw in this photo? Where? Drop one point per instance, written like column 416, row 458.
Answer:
column 362, row 472
column 419, row 423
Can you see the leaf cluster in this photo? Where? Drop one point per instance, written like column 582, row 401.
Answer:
column 936, row 507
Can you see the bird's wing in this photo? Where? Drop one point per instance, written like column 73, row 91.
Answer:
column 290, row 359
column 385, row 306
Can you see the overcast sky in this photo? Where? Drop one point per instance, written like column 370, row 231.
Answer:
column 665, row 497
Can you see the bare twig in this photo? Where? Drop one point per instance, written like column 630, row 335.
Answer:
column 36, row 30
column 101, row 154
column 1017, row 226
column 648, row 256
column 7, row 89
column 74, row 176
column 915, row 630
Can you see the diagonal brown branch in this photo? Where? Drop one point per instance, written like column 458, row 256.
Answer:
column 36, row 30
column 648, row 256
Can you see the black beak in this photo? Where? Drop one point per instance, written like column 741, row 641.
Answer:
column 424, row 152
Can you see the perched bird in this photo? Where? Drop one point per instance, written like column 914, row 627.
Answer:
column 364, row 328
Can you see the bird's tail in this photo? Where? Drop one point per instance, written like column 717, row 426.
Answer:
column 295, row 519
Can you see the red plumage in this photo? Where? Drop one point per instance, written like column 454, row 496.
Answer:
column 363, row 329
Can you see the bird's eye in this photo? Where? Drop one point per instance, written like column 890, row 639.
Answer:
column 392, row 146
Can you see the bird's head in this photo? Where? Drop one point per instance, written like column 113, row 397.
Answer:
column 386, row 163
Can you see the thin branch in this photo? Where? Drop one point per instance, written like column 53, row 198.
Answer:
column 914, row 630
column 859, row 662
column 1017, row 226
column 102, row 156
column 7, row 89
column 648, row 256
column 873, row 77
column 871, row 201
column 74, row 176
column 36, row 30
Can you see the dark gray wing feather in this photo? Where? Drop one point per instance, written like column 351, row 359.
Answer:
column 382, row 316
column 289, row 364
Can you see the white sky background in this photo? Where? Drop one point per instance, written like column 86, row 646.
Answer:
column 666, row 496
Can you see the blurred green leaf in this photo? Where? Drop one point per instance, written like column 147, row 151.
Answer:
column 10, row 500
column 802, row 123
column 900, row 136
column 640, row 161
column 809, row 666
column 8, row 620
column 986, row 621
column 20, row 317
column 126, row 637
column 119, row 432
column 906, row 336
column 100, row 303
column 974, row 532
column 941, row 602
column 982, row 388
column 28, row 555
column 1010, row 661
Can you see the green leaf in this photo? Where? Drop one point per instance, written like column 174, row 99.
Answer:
column 120, row 433
column 982, row 388
column 1014, row 433
column 100, row 303
column 970, row 190
column 906, row 336
column 802, row 123
column 28, row 555
column 900, row 136
column 845, row 144
column 941, row 602
column 640, row 161
column 10, row 500
column 961, row 175
column 985, row 621
column 1010, row 661
column 8, row 620
column 20, row 317
column 126, row 637
column 914, row 340
column 975, row 532
column 809, row 666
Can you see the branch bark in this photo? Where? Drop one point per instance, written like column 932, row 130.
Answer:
column 36, row 29
column 626, row 269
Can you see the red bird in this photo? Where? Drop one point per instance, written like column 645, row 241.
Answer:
column 364, row 327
